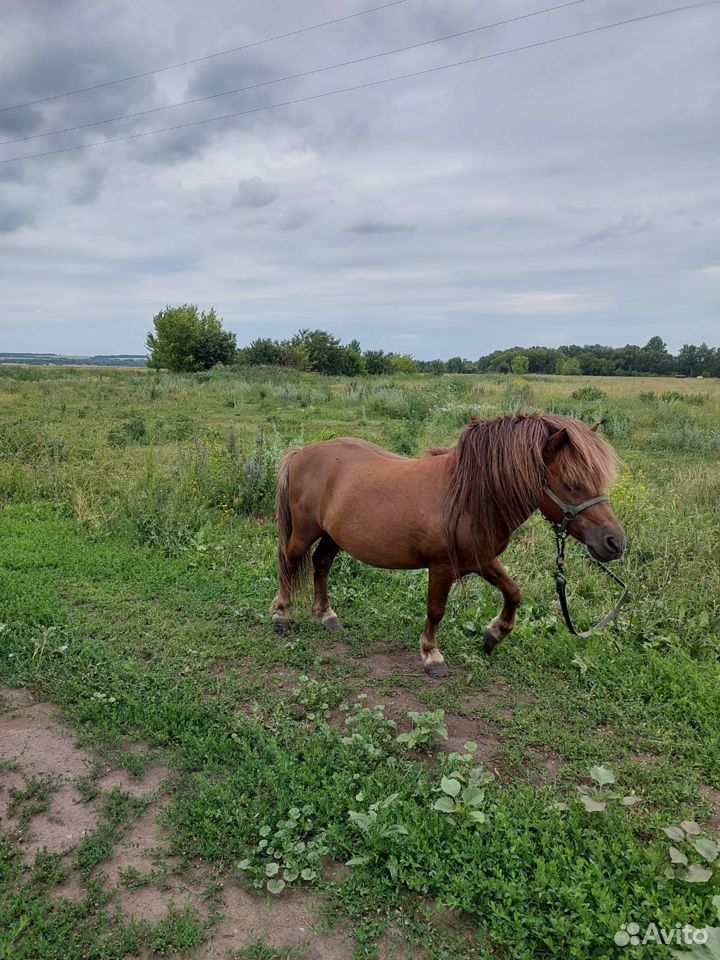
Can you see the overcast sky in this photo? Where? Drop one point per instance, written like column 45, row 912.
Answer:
column 568, row 193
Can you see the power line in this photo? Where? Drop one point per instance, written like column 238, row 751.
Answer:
column 208, row 56
column 295, row 76
column 369, row 83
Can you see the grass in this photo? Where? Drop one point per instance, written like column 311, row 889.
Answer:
column 137, row 567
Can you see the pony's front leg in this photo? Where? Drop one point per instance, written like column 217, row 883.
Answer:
column 439, row 582
column 323, row 557
column 502, row 624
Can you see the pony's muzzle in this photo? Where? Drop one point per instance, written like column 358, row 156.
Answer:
column 609, row 546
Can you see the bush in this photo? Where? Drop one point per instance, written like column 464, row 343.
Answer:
column 186, row 340
column 588, row 393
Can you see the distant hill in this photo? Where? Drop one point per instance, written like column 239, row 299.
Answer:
column 59, row 359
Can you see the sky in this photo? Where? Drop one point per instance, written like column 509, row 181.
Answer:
column 567, row 193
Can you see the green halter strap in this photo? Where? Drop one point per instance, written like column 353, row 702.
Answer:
column 570, row 511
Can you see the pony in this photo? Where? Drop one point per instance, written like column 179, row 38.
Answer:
column 451, row 511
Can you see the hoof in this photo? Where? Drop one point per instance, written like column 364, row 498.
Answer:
column 280, row 626
column 437, row 670
column 332, row 623
column 491, row 641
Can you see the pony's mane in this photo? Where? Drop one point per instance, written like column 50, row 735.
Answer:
column 498, row 472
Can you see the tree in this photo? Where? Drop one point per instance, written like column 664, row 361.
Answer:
column 568, row 366
column 186, row 339
column 325, row 355
column 376, row 361
column 353, row 362
column 402, row 363
column 520, row 363
column 688, row 360
column 455, row 365
column 263, row 350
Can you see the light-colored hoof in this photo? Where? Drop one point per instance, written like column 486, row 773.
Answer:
column 332, row 622
column 437, row 670
column 280, row 624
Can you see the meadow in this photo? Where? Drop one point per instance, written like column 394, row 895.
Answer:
column 535, row 801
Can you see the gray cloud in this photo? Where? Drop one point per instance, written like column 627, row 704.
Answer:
column 375, row 225
column 568, row 193
column 255, row 192
column 15, row 217
column 627, row 226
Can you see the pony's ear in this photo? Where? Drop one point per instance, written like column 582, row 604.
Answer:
column 554, row 445
column 596, row 427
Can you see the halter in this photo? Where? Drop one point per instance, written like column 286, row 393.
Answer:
column 570, row 511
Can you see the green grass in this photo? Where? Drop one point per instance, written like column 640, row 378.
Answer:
column 135, row 576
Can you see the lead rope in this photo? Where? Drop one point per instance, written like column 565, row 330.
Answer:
column 570, row 511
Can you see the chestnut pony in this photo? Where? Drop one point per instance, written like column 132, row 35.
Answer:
column 452, row 511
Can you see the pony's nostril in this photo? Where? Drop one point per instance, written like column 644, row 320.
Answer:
column 613, row 544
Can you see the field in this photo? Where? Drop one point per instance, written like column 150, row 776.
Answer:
column 176, row 780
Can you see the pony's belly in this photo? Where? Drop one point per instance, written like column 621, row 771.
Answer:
column 382, row 541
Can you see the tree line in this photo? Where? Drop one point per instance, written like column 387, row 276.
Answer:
column 186, row 339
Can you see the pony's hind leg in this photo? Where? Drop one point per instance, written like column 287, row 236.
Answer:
column 502, row 624
column 291, row 567
column 439, row 583
column 323, row 557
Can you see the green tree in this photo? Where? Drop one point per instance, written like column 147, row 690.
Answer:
column 402, row 363
column 324, row 352
column 263, row 350
column 185, row 339
column 376, row 361
column 568, row 366
column 520, row 363
column 353, row 362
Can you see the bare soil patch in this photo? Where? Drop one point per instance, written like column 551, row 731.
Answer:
column 34, row 743
column 292, row 920
column 712, row 795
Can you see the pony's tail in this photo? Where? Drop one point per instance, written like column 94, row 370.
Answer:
column 290, row 573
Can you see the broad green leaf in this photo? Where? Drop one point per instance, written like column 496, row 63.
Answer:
column 690, row 827
column 449, row 786
column 560, row 806
column 309, row 874
column 244, row 865
column 469, row 626
column 630, row 800
column 361, row 820
column 675, row 833
column 444, row 805
column 271, row 869
column 709, row 949
column 602, row 776
column 290, row 876
column 697, row 874
column 470, row 746
column 591, row 804
column 265, row 831
column 473, row 796
column 352, row 862
column 677, row 856
column 707, row 849
column 477, row 815
column 397, row 830
column 276, row 886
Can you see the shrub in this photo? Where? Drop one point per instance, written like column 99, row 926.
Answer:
column 588, row 393
column 186, row 340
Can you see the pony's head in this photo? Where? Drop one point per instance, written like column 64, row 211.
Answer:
column 580, row 466
column 500, row 468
